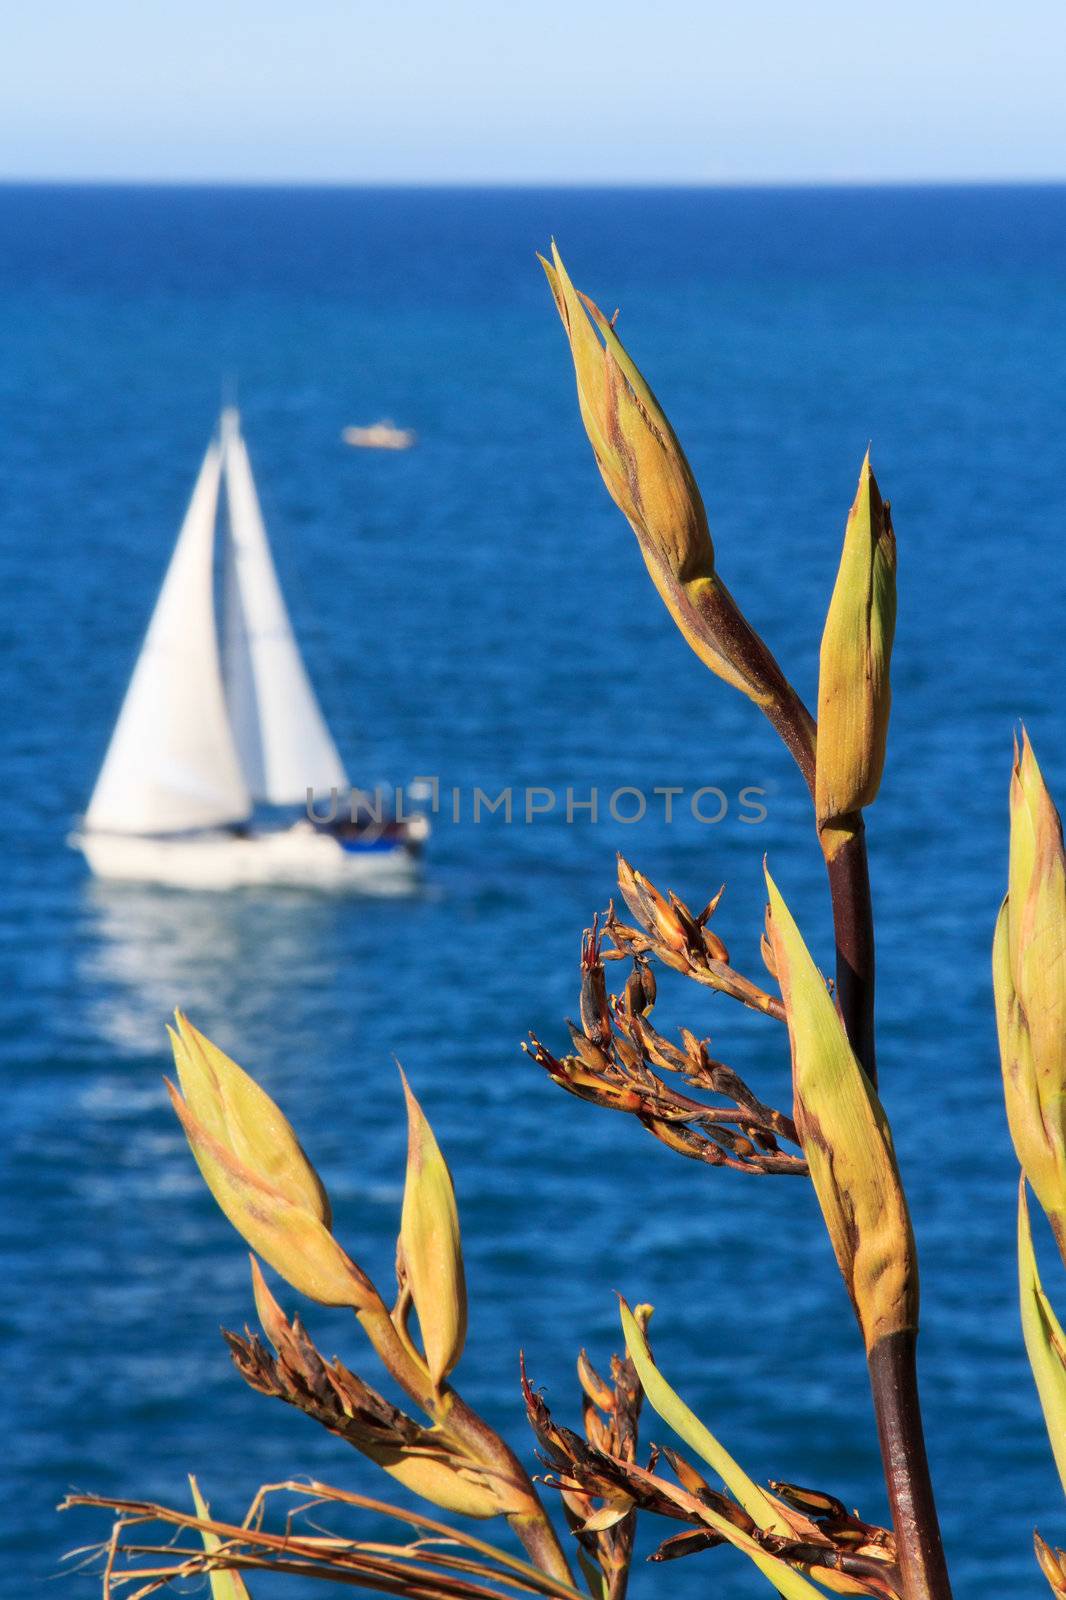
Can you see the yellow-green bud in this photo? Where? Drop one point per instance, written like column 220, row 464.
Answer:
column 847, row 1142
column 254, row 1166
column 1029, row 973
column 430, row 1246
column 854, row 695
column 650, row 480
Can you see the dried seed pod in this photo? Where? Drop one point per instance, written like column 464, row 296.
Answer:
column 651, row 909
column 811, row 1501
column 599, row 1392
column 595, row 1012
column 715, row 947
column 766, row 950
column 687, row 1475
column 685, row 1544
column 424, row 1460
column 710, row 908
column 1052, row 1564
column 640, row 989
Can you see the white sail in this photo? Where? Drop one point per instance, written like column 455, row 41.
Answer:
column 281, row 735
column 171, row 764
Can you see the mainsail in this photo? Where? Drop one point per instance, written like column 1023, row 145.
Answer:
column 172, row 764
column 284, row 745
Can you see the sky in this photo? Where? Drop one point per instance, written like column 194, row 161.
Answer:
column 528, row 91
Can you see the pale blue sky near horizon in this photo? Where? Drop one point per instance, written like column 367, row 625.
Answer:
column 553, row 92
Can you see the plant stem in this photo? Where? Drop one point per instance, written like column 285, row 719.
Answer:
column 795, row 726
column 893, row 1361
column 844, row 847
column 531, row 1523
column 920, row 1552
column 541, row 1544
column 522, row 1506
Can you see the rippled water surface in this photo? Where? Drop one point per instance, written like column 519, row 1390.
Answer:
column 477, row 609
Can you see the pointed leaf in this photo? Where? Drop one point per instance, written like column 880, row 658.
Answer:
column 1030, row 973
column 431, row 1245
column 649, row 478
column 235, row 1110
column 272, row 1319
column 789, row 1583
column 854, row 695
column 1037, row 920
column 295, row 1242
column 847, row 1142
column 224, row 1585
column 1040, row 1153
column 688, row 1426
column 1045, row 1342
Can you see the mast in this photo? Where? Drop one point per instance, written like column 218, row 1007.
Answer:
column 284, row 744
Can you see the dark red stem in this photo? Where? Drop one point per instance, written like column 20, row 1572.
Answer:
column 853, row 930
column 919, row 1550
column 892, row 1362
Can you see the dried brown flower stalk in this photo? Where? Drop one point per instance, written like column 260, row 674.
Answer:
column 618, row 1057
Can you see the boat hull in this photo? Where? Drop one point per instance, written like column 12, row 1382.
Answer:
column 298, row 857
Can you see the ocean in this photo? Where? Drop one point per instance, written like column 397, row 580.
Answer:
column 476, row 610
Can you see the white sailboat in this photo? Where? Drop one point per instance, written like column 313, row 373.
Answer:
column 213, row 726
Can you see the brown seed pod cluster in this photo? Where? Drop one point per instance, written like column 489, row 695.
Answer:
column 618, row 1058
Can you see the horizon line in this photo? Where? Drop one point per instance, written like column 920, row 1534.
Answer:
column 58, row 181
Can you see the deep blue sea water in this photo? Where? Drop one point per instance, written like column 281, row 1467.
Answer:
column 477, row 609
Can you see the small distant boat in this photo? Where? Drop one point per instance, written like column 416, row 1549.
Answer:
column 216, row 722
column 384, row 435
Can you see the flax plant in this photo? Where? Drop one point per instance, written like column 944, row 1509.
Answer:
column 835, row 1135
